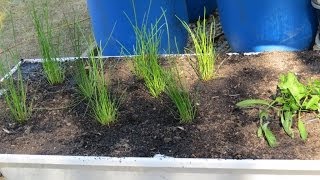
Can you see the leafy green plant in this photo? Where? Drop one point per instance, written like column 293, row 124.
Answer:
column 52, row 67
column 293, row 99
column 204, row 48
column 180, row 97
column 146, row 62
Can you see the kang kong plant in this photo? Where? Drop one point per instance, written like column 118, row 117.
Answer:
column 204, row 48
column 52, row 67
column 292, row 99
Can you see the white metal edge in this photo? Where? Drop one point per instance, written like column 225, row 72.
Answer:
column 39, row 60
column 49, row 161
column 63, row 59
column 12, row 71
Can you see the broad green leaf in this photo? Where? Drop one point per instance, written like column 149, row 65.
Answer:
column 263, row 115
column 286, row 121
column 272, row 141
column 252, row 103
column 302, row 130
column 315, row 87
column 280, row 100
column 313, row 103
column 260, row 132
column 290, row 83
column 294, row 106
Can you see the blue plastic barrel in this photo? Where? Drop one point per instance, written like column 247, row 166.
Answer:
column 196, row 8
column 113, row 30
column 268, row 25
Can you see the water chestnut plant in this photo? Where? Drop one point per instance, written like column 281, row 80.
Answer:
column 52, row 67
column 95, row 88
column 15, row 94
column 180, row 97
column 146, row 62
column 203, row 42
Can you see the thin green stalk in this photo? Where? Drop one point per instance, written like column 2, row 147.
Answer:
column 180, row 97
column 204, row 47
column 103, row 106
column 15, row 94
column 16, row 98
column 146, row 62
column 52, row 67
column 93, row 86
column 85, row 80
column 75, row 34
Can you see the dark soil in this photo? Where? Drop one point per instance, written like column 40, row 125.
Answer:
column 61, row 124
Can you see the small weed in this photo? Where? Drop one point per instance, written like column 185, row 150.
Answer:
column 52, row 67
column 293, row 99
column 204, row 47
column 180, row 97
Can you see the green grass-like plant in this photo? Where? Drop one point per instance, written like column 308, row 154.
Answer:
column 204, row 48
column 16, row 98
column 85, row 79
column 15, row 95
column 77, row 35
column 93, row 85
column 103, row 106
column 180, row 97
column 87, row 75
column 146, row 62
column 52, row 67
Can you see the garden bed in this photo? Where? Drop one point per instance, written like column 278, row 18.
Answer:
column 146, row 126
